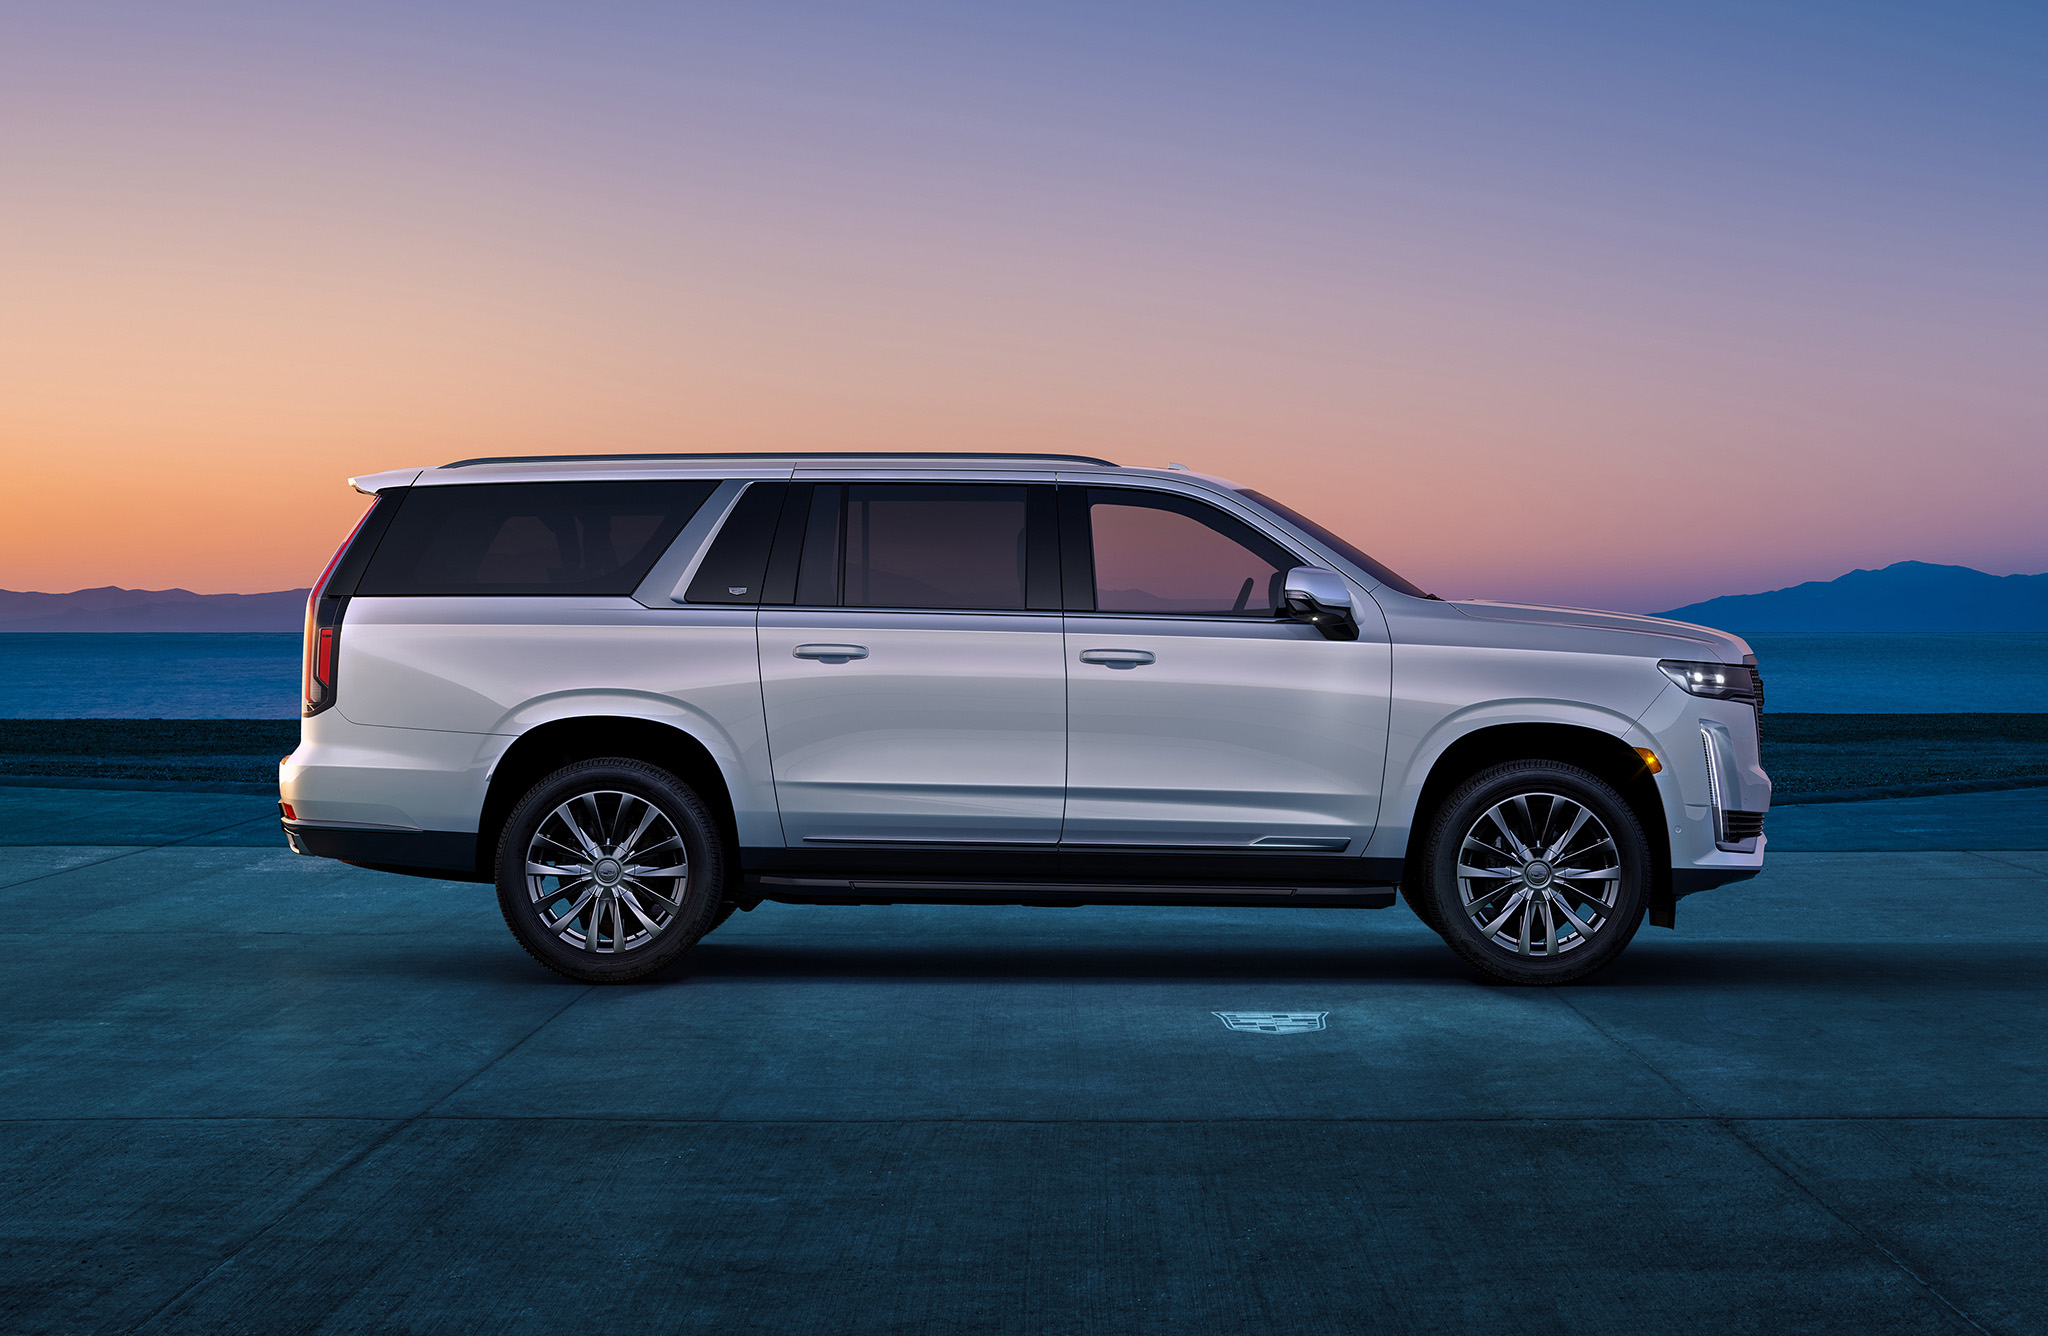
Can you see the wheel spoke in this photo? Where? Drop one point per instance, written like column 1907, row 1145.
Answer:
column 1478, row 905
column 1466, row 870
column 1595, row 874
column 1526, row 916
column 1474, row 842
column 1517, row 898
column 628, row 846
column 1525, row 837
column 569, row 916
column 632, row 902
column 534, row 869
column 1549, row 929
column 661, row 901
column 586, row 845
column 1550, row 854
column 1585, row 929
column 672, row 906
column 598, row 834
column 677, row 872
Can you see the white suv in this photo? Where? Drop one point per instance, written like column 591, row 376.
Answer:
column 638, row 692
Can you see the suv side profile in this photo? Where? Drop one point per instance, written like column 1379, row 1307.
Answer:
column 641, row 692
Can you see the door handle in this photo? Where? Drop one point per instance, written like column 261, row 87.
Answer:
column 830, row 653
column 1117, row 658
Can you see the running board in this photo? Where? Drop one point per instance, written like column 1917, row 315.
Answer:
column 799, row 890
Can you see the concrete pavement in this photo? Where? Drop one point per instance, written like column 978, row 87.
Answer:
column 245, row 1091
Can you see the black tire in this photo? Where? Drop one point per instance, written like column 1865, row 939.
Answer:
column 609, row 919
column 1533, row 904
column 1416, row 895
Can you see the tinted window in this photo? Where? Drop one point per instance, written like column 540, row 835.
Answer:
column 1343, row 548
column 927, row 545
column 817, row 581
column 736, row 566
column 1156, row 552
column 530, row 537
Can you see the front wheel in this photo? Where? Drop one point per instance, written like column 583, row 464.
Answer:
column 610, row 869
column 1538, row 872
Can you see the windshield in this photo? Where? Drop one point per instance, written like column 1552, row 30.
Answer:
column 1344, row 549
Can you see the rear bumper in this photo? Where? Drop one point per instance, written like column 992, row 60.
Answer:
column 447, row 854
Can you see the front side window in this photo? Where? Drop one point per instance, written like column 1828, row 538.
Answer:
column 529, row 537
column 1160, row 553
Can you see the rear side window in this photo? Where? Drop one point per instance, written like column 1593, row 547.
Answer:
column 530, row 537
column 931, row 545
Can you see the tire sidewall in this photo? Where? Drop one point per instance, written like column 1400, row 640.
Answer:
column 678, row 803
column 1464, row 808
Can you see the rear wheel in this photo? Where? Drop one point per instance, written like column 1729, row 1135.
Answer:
column 1538, row 872
column 610, row 869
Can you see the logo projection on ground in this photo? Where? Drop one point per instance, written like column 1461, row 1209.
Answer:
column 1272, row 1022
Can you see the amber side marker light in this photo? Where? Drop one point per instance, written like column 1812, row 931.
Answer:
column 1650, row 760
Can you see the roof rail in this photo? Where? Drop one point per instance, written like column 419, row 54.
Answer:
column 788, row 454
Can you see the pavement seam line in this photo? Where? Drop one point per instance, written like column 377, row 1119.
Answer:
column 133, row 851
column 1734, row 1130
column 1991, row 856
column 348, row 1164
column 669, row 1120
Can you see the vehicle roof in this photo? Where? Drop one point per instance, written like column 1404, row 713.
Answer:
column 523, row 468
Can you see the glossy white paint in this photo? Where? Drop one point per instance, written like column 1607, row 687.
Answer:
column 1235, row 732
column 988, row 726
column 346, row 773
column 502, row 666
column 953, row 727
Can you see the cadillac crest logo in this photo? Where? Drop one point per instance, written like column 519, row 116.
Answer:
column 1272, row 1022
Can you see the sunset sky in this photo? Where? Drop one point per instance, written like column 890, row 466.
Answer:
column 1625, row 305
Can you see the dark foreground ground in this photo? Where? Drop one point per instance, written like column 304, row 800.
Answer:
column 249, row 1092
column 1807, row 754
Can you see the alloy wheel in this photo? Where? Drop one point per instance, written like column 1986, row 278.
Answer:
column 607, row 872
column 1539, row 874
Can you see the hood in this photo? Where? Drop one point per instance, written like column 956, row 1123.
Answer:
column 1687, row 641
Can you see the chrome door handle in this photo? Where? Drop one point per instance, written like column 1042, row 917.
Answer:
column 830, row 653
column 1117, row 658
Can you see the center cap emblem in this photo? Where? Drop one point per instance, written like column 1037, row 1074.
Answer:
column 607, row 871
column 1537, row 873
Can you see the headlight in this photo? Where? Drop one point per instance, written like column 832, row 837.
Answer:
column 1716, row 681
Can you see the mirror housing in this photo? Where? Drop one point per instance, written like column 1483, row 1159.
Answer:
column 1322, row 599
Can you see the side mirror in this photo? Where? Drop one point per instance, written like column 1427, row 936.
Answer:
column 1323, row 600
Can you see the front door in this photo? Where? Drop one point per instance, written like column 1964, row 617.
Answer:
column 914, row 697
column 1198, row 719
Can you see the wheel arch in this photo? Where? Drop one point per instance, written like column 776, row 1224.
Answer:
column 1592, row 749
column 546, row 748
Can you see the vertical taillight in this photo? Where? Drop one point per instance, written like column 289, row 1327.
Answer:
column 323, row 631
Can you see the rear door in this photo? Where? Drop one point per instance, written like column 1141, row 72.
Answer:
column 1199, row 719
column 914, row 681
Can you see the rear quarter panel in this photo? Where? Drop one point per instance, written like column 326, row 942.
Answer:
column 501, row 666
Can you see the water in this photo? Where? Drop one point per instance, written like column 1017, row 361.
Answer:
column 149, row 675
column 256, row 676
column 1845, row 672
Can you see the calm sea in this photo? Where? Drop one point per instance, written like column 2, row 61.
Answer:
column 232, row 676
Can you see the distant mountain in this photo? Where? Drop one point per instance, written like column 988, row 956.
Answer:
column 1904, row 596
column 113, row 609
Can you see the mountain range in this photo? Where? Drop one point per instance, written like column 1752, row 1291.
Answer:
column 110, row 608
column 1905, row 596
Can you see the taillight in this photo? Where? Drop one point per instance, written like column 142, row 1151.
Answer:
column 323, row 632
